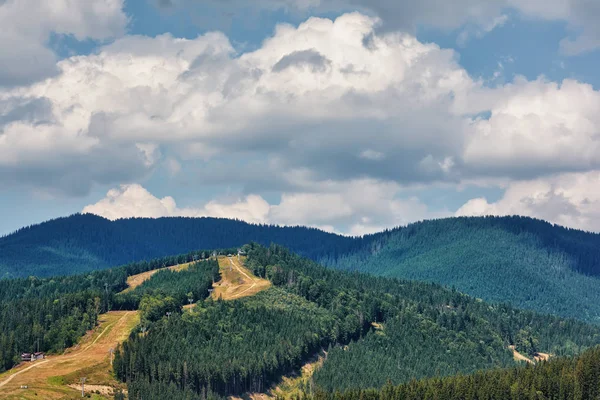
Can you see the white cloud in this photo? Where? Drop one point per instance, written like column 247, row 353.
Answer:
column 252, row 209
column 360, row 206
column 373, row 155
column 537, row 127
column 196, row 94
column 571, row 200
column 316, row 100
column 135, row 201
column 479, row 31
column 27, row 25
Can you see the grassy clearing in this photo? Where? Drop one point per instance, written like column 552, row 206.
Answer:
column 518, row 356
column 50, row 378
column 236, row 280
column 134, row 281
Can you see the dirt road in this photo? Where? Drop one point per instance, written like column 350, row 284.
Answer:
column 236, row 280
column 49, row 378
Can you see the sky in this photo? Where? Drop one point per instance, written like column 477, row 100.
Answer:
column 348, row 115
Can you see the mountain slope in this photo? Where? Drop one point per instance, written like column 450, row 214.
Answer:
column 81, row 243
column 529, row 263
column 232, row 348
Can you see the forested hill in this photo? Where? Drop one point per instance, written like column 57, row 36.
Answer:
column 372, row 329
column 85, row 242
column 530, row 263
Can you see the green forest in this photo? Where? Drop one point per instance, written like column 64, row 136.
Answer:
column 224, row 348
column 86, row 242
column 383, row 336
column 51, row 314
column 525, row 262
column 558, row 379
column 528, row 263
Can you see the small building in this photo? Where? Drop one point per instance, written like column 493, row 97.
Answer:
column 32, row 356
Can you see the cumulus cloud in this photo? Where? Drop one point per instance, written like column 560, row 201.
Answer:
column 339, row 209
column 325, row 110
column 571, row 200
column 27, row 25
column 315, row 97
column 537, row 127
column 474, row 17
column 142, row 93
column 135, row 201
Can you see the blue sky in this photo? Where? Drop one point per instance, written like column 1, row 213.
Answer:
column 384, row 112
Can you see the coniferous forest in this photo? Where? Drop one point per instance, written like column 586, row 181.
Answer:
column 528, row 263
column 382, row 337
column 421, row 330
column 51, row 314
column 559, row 379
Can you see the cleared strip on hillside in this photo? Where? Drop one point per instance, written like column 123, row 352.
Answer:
column 50, row 378
column 236, row 280
column 134, row 281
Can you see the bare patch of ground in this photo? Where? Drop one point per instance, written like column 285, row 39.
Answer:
column 99, row 389
column 541, row 357
column 50, row 378
column 290, row 386
column 134, row 281
column 236, row 280
column 518, row 356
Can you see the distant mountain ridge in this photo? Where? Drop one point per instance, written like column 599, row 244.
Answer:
column 529, row 263
column 85, row 242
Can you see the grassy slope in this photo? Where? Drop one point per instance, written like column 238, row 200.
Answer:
column 236, row 280
column 50, row 378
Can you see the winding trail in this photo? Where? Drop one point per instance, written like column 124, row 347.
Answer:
column 35, row 365
column 237, row 281
column 49, row 378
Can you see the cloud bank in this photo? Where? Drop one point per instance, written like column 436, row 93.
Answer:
column 341, row 118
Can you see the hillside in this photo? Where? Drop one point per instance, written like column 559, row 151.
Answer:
column 244, row 347
column 81, row 243
column 562, row 378
column 528, row 263
column 284, row 311
column 56, row 376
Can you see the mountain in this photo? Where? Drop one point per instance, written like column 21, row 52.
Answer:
column 239, row 338
column 528, row 263
column 86, row 242
column 371, row 329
